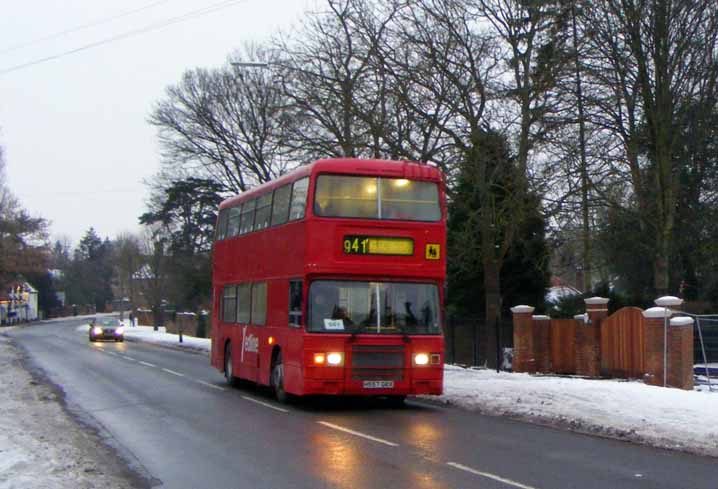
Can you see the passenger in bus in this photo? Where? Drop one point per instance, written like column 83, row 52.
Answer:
column 324, row 300
column 341, row 313
column 410, row 318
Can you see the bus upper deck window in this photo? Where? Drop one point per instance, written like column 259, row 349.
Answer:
column 299, row 199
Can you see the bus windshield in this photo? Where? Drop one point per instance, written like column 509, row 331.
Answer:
column 351, row 307
column 376, row 198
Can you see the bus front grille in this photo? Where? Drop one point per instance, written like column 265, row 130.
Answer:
column 383, row 362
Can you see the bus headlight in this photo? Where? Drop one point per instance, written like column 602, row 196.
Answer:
column 319, row 358
column 421, row 359
column 335, row 359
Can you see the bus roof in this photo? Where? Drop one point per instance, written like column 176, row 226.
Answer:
column 410, row 170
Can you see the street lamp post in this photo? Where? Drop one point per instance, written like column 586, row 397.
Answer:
column 249, row 64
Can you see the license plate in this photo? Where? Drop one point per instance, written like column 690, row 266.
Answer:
column 378, row 384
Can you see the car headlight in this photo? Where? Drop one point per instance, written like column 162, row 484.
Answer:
column 335, row 359
column 120, row 330
column 96, row 330
column 421, row 359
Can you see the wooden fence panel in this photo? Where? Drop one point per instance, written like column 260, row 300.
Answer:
column 563, row 346
column 622, row 344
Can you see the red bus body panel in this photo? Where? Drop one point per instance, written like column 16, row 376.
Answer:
column 311, row 248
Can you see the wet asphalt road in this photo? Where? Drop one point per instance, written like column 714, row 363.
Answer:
column 177, row 422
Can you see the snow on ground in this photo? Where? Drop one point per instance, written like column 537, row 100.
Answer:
column 41, row 446
column 670, row 418
column 148, row 334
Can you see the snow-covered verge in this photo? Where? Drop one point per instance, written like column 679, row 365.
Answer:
column 41, row 445
column 663, row 417
column 149, row 335
column 669, row 418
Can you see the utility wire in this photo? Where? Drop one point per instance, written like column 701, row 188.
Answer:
column 135, row 32
column 81, row 27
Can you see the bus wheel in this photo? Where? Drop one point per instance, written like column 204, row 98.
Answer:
column 228, row 369
column 278, row 379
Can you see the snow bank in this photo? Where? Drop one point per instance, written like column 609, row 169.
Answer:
column 41, row 445
column 149, row 335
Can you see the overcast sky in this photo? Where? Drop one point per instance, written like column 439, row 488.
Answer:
column 77, row 144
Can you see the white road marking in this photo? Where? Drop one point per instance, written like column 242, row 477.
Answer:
column 489, row 476
column 210, row 385
column 357, row 433
column 111, row 353
column 173, row 372
column 266, row 404
column 128, row 358
column 148, row 364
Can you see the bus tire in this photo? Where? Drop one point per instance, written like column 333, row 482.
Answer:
column 278, row 380
column 228, row 367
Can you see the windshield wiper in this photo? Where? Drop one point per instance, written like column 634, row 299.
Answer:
column 404, row 333
column 356, row 330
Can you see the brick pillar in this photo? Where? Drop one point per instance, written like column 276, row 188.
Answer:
column 588, row 338
column 680, row 353
column 524, row 360
column 654, row 321
column 542, row 343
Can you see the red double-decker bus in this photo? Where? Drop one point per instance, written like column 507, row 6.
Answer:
column 329, row 280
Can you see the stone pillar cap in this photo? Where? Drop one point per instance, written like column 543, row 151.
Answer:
column 668, row 301
column 522, row 309
column 541, row 318
column 682, row 321
column 596, row 301
column 657, row 312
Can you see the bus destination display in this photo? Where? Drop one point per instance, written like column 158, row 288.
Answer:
column 377, row 245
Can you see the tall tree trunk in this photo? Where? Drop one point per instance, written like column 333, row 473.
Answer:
column 586, row 225
column 492, row 287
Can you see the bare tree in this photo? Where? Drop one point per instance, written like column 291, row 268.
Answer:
column 325, row 68
column 224, row 124
column 656, row 61
column 23, row 238
column 531, row 35
column 128, row 262
column 152, row 277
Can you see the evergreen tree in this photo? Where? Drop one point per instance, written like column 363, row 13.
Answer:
column 497, row 250
column 89, row 276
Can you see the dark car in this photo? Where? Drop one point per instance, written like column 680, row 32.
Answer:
column 107, row 329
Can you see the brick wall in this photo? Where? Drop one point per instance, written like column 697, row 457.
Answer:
column 680, row 353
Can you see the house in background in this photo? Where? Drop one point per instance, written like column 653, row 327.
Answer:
column 560, row 290
column 19, row 304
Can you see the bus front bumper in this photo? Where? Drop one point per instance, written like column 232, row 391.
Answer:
column 372, row 388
